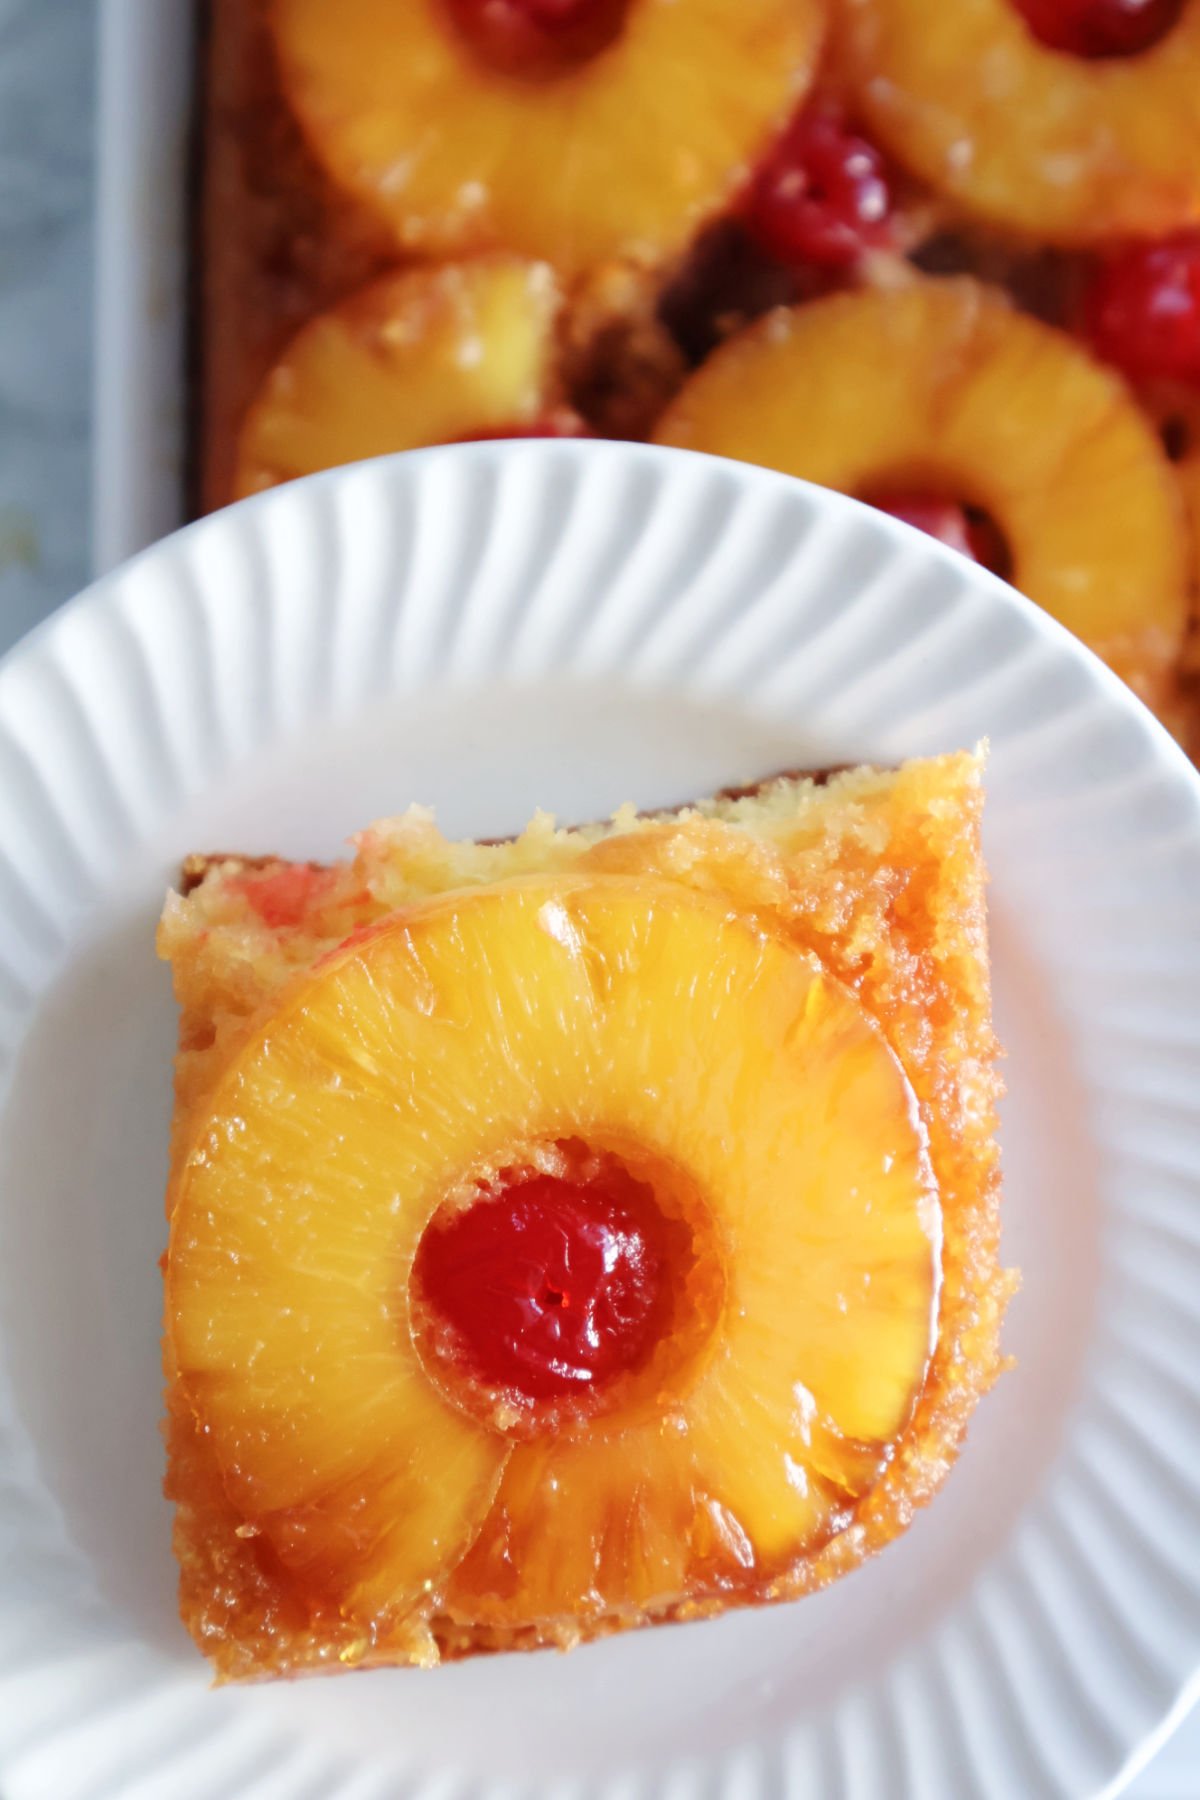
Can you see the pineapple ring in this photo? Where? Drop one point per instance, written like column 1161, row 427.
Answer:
column 621, row 156
column 1066, row 149
column 605, row 1007
column 942, row 385
column 420, row 357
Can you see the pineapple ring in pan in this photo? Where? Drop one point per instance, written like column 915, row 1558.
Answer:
column 622, row 155
column 942, row 386
column 1067, row 149
column 603, row 1008
column 425, row 356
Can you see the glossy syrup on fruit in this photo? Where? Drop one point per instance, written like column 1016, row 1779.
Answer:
column 550, row 1284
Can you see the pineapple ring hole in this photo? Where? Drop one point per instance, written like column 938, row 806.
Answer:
column 537, row 40
column 969, row 527
column 569, row 1281
column 1179, row 436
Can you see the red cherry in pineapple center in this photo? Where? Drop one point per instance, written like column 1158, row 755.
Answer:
column 968, row 530
column 822, row 196
column 1142, row 310
column 1095, row 29
column 549, row 1284
column 537, row 38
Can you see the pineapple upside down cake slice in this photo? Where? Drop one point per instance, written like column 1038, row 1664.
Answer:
column 577, row 1232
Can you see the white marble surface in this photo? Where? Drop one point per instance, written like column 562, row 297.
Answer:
column 47, row 57
column 46, row 121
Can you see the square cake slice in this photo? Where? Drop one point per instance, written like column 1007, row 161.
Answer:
column 579, row 1231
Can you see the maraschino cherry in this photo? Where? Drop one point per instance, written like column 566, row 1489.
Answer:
column 822, row 196
column 969, row 532
column 550, row 1285
column 1142, row 310
column 538, row 37
column 941, row 519
column 1095, row 29
column 284, row 896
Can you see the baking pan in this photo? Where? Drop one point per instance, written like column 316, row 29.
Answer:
column 142, row 208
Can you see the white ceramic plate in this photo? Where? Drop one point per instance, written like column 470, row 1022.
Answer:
column 488, row 629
